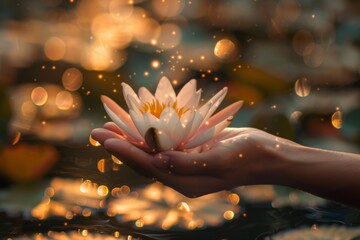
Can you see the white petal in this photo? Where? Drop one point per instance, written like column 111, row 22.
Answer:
column 171, row 124
column 138, row 120
column 158, row 140
column 186, row 94
column 224, row 114
column 127, row 90
column 151, row 121
column 165, row 92
column 164, row 141
column 132, row 133
column 133, row 104
column 202, row 138
column 145, row 95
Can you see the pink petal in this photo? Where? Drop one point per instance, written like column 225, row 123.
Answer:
column 216, row 101
column 127, row 90
column 165, row 92
column 227, row 112
column 202, row 138
column 120, row 118
column 187, row 94
column 138, row 120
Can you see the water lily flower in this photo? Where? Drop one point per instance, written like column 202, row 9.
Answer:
column 166, row 121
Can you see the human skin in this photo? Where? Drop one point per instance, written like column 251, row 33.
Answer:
column 243, row 156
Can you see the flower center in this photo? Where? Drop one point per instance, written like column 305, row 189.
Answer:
column 155, row 108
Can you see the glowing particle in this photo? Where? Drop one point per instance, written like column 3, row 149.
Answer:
column 228, row 215
column 155, row 64
column 39, row 96
column 336, row 119
column 302, row 87
column 241, row 155
column 102, row 190
column 224, row 49
column 296, row 115
column 116, row 234
column 202, row 57
column 146, row 74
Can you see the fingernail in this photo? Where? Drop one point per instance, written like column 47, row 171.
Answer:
column 161, row 161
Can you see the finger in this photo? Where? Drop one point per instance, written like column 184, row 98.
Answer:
column 131, row 155
column 113, row 127
column 101, row 135
column 181, row 163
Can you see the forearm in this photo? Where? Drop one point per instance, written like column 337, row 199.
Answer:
column 328, row 174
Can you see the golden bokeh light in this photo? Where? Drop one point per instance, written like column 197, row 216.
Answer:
column 229, row 215
column 39, row 96
column 93, row 142
column 54, row 48
column 72, row 79
column 64, row 100
column 103, row 190
column 225, row 49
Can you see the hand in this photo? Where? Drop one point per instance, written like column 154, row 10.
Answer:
column 238, row 156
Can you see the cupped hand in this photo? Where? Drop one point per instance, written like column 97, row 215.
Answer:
column 237, row 156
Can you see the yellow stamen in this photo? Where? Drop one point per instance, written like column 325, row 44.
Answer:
column 155, row 108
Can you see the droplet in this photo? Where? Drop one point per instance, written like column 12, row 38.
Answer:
column 183, row 206
column 302, row 87
column 39, row 96
column 336, row 119
column 228, row 215
column 103, row 190
column 224, row 49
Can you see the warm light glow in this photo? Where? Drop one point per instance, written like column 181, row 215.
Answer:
column 64, row 100
column 302, row 87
